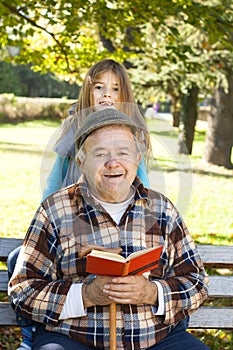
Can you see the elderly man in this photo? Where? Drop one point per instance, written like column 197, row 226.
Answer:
column 108, row 208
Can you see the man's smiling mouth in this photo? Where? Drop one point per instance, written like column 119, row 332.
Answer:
column 113, row 175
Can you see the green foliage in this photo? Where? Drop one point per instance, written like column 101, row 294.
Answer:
column 168, row 46
column 9, row 82
column 66, row 37
column 9, row 338
column 21, row 80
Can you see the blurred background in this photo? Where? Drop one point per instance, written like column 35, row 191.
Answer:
column 179, row 56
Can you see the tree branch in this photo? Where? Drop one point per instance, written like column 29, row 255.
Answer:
column 34, row 24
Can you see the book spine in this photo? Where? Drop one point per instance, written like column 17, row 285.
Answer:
column 125, row 269
column 145, row 268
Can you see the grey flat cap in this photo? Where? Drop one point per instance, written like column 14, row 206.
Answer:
column 99, row 119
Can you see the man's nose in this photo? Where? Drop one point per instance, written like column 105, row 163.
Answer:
column 112, row 162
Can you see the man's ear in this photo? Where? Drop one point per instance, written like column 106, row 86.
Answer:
column 79, row 160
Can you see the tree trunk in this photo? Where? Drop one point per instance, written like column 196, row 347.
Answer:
column 175, row 110
column 219, row 135
column 188, row 118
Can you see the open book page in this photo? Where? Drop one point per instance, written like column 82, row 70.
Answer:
column 140, row 252
column 106, row 255
column 117, row 257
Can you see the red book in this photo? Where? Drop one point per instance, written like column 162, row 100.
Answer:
column 111, row 264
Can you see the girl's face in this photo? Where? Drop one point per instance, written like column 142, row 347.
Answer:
column 105, row 91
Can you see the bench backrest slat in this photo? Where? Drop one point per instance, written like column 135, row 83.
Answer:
column 216, row 255
column 206, row 317
column 7, row 245
column 211, row 254
column 220, row 286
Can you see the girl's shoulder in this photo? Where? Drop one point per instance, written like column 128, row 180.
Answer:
column 72, row 109
column 65, row 145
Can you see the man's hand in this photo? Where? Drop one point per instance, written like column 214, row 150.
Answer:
column 93, row 293
column 122, row 290
column 104, row 290
column 131, row 290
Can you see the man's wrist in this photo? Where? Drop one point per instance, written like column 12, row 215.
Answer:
column 85, row 296
column 154, row 294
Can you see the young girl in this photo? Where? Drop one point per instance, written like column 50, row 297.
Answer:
column 106, row 85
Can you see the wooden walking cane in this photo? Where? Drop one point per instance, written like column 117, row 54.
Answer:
column 112, row 315
column 83, row 251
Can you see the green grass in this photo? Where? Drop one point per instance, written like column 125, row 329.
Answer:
column 21, row 155
column 202, row 193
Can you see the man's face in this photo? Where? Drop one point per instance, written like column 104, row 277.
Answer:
column 111, row 163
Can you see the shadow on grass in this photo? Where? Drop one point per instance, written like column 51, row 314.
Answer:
column 211, row 173
column 169, row 169
column 170, row 134
column 31, row 123
column 11, row 147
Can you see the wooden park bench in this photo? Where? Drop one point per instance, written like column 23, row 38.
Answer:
column 219, row 259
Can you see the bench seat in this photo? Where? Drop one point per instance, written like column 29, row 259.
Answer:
column 218, row 258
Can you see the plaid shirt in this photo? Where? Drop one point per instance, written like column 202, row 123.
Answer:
column 48, row 264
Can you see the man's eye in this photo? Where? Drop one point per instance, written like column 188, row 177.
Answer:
column 99, row 155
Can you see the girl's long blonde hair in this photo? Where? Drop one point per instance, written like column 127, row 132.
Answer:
column 126, row 104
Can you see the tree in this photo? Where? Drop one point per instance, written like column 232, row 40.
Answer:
column 219, row 139
column 187, row 129
column 170, row 43
column 189, row 60
column 9, row 83
column 177, row 67
column 64, row 37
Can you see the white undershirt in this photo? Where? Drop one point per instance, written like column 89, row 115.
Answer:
column 73, row 306
column 115, row 210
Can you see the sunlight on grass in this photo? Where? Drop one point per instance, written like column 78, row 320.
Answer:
column 210, row 215
column 21, row 152
column 202, row 194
